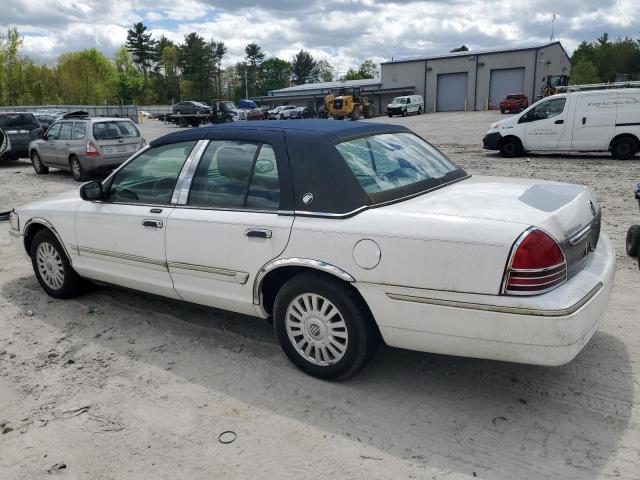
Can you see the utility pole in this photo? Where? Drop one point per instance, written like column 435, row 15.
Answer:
column 553, row 24
column 246, row 84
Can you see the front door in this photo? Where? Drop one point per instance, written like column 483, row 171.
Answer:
column 228, row 227
column 121, row 239
column 545, row 124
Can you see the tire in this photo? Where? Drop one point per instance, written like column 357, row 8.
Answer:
column 624, row 148
column 38, row 166
column 177, row 112
column 52, row 267
column 404, row 113
column 77, row 171
column 390, row 115
column 420, row 111
column 511, row 147
column 355, row 114
column 281, row 117
column 355, row 338
column 633, row 240
column 502, row 110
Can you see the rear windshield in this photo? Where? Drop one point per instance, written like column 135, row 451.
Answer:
column 396, row 162
column 114, row 129
column 18, row 120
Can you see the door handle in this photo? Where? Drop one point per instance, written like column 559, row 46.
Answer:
column 559, row 122
column 152, row 223
column 155, row 210
column 258, row 233
column 584, row 120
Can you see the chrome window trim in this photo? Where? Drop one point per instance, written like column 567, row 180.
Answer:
column 562, row 312
column 183, row 184
column 294, row 262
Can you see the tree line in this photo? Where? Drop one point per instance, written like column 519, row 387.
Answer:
column 601, row 61
column 146, row 70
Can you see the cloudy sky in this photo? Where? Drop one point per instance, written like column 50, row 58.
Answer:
column 342, row 31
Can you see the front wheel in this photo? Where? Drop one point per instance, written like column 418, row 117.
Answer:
column 324, row 327
column 52, row 267
column 420, row 111
column 510, row 147
column 38, row 166
column 633, row 240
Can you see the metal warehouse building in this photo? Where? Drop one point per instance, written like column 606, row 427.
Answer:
column 477, row 80
column 471, row 80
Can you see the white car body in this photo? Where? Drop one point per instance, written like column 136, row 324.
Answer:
column 588, row 120
column 405, row 105
column 430, row 268
column 281, row 112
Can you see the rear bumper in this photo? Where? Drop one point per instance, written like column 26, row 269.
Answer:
column 102, row 162
column 548, row 329
column 491, row 141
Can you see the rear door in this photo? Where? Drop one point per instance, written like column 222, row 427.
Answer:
column 594, row 120
column 47, row 147
column 63, row 144
column 228, row 225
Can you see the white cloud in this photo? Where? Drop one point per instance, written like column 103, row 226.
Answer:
column 345, row 32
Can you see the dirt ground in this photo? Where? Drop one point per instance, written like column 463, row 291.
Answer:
column 119, row 385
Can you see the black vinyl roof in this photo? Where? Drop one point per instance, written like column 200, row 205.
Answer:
column 340, row 130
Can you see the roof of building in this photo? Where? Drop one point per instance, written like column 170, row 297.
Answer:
column 477, row 52
column 324, row 85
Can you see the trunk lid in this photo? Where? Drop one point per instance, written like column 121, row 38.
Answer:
column 569, row 213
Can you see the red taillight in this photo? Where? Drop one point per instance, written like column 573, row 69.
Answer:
column 92, row 150
column 536, row 264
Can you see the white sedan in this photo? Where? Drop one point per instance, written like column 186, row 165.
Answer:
column 343, row 234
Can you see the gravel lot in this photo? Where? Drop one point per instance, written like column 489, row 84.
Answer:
column 118, row 385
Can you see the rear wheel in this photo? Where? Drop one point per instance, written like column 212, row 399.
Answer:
column 355, row 113
column 324, row 327
column 624, row 148
column 511, row 147
column 633, row 240
column 52, row 267
column 78, row 172
column 38, row 166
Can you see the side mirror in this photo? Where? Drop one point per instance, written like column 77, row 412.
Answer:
column 92, row 191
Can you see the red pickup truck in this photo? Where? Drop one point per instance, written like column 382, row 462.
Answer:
column 514, row 103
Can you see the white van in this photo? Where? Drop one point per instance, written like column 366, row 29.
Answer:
column 589, row 120
column 404, row 105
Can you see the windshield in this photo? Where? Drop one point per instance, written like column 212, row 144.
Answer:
column 513, row 97
column 114, row 129
column 399, row 100
column 393, row 160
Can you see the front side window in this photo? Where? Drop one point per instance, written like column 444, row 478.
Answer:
column 236, row 174
column 54, row 131
column 114, row 129
column 388, row 161
column 548, row 109
column 151, row 177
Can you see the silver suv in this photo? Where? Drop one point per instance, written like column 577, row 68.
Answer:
column 83, row 144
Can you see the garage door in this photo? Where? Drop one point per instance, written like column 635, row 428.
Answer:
column 452, row 91
column 504, row 82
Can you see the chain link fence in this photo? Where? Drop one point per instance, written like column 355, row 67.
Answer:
column 129, row 111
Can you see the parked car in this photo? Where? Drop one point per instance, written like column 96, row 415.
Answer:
column 286, row 111
column 45, row 119
column 514, row 103
column 296, row 222
column 85, row 144
column 190, row 107
column 146, row 114
column 302, row 112
column 255, row 114
column 584, row 120
column 274, row 112
column 405, row 105
column 21, row 128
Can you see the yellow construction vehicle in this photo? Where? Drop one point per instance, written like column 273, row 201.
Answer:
column 553, row 84
column 348, row 102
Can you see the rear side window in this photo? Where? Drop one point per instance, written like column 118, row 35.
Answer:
column 79, row 130
column 235, row 174
column 26, row 121
column 114, row 129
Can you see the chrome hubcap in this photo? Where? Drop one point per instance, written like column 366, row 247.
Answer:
column 50, row 265
column 316, row 329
